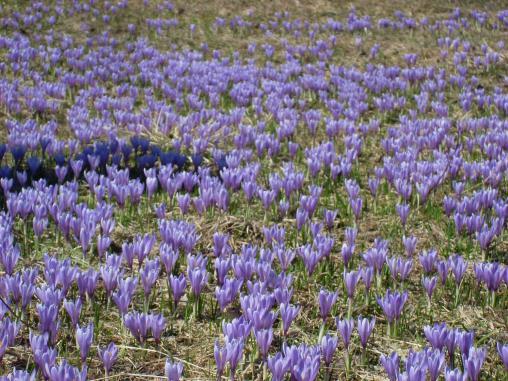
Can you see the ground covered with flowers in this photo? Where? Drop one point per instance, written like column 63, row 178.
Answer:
column 272, row 190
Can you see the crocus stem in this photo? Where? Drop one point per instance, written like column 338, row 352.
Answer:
column 171, row 305
column 252, row 365
column 241, row 366
column 346, row 360
column 349, row 308
column 321, row 332
column 97, row 313
column 364, row 356
column 196, row 308
column 25, row 228
column 378, row 280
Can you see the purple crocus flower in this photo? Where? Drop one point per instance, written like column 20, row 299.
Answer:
column 168, row 256
column 310, row 258
column 239, row 328
column 264, row 339
column 64, row 371
column 367, row 275
column 261, row 316
column 228, row 292
column 301, row 218
column 198, row 279
column 221, row 245
column 87, row 282
column 451, row 343
column 455, row 375
column 9, row 259
column 393, row 304
column 110, row 276
column 8, row 333
column 443, row 267
column 151, row 183
column 221, row 358
column 473, row 362
column 391, row 365
column 458, row 267
column 350, row 235
column 48, row 320
column 128, row 253
column 376, row 256
column 138, row 324
column 465, row 341
column 436, row 335
column 61, row 172
column 403, row 212
column 350, row 281
column 149, row 275
column 84, row 338
column 234, row 354
column 108, row 356
column 328, row 347
column 283, row 208
column 329, row 217
column 20, row 375
column 409, row 245
column 103, row 244
column 184, row 202
column 429, row 283
column 279, row 366
column 42, row 353
column 288, row 313
column 502, row 349
column 267, row 197
column 345, row 328
column 178, row 285
column 160, row 210
column 304, row 360
column 326, row 301
column 347, row 253
column 356, row 206
column 157, row 324
column 435, row 360
column 373, row 185
column 365, row 327
column 125, row 293
column 73, row 309
column 428, row 260
column 76, row 166
column 173, row 370
column 491, row 274
column 222, row 267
